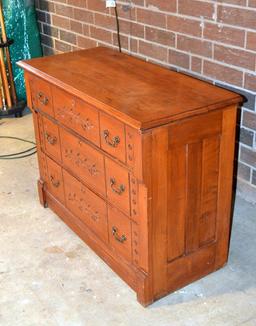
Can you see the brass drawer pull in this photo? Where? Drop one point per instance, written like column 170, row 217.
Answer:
column 115, row 140
column 118, row 190
column 50, row 139
column 42, row 98
column 54, row 182
column 121, row 239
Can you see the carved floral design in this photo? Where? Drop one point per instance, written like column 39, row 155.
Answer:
column 81, row 161
column 73, row 117
column 83, row 206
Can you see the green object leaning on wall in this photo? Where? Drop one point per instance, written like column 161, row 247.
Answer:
column 21, row 26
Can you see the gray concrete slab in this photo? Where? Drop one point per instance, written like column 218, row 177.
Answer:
column 49, row 277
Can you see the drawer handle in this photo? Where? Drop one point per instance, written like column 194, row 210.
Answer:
column 50, row 139
column 118, row 190
column 42, row 98
column 115, row 140
column 54, row 182
column 121, row 239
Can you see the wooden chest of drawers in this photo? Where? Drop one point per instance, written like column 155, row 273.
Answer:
column 138, row 161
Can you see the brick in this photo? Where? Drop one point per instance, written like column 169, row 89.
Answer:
column 125, row 11
column 62, row 47
column 134, row 45
column 77, row 3
column 164, row 5
column 85, row 42
column 249, row 120
column 105, row 21
column 46, row 6
column 97, row 5
column 239, row 58
column 64, row 10
column 179, row 59
column 86, row 30
column 41, row 17
column 223, row 34
column 153, row 51
column 151, row 18
column 76, row 27
column 196, row 64
column 250, row 82
column 160, row 36
column 254, row 177
column 223, row 73
column 184, row 25
column 237, row 16
column 100, row 34
column 195, row 46
column 244, row 171
column 47, row 50
column 50, row 30
column 61, row 22
column 131, row 28
column 124, row 41
column 248, row 156
column 47, row 40
column 252, row 3
column 68, row 37
column 83, row 15
column 196, row 8
column 251, row 41
column 246, row 136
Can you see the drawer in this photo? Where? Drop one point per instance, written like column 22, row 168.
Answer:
column 119, row 233
column 51, row 138
column 83, row 160
column 41, row 95
column 77, row 115
column 112, row 133
column 118, row 188
column 86, row 205
column 54, row 183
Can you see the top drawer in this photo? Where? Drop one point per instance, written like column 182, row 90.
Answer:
column 77, row 115
column 41, row 95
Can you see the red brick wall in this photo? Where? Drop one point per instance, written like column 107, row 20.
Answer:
column 215, row 40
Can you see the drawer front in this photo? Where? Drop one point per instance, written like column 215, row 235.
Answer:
column 119, row 233
column 86, row 205
column 54, row 183
column 51, row 138
column 118, row 188
column 112, row 134
column 77, row 115
column 41, row 95
column 84, row 161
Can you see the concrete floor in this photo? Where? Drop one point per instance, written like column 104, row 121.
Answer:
column 48, row 276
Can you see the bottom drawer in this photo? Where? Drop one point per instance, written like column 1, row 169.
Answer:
column 54, row 182
column 87, row 206
column 120, row 233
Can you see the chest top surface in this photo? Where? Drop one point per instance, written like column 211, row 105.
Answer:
column 143, row 94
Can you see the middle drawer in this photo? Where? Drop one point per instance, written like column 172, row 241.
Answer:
column 83, row 160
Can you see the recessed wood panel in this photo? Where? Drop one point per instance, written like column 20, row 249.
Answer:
column 77, row 115
column 54, row 182
column 177, row 194
column 209, row 190
column 86, row 205
column 83, row 161
column 51, row 138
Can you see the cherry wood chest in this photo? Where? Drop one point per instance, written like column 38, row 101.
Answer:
column 138, row 161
